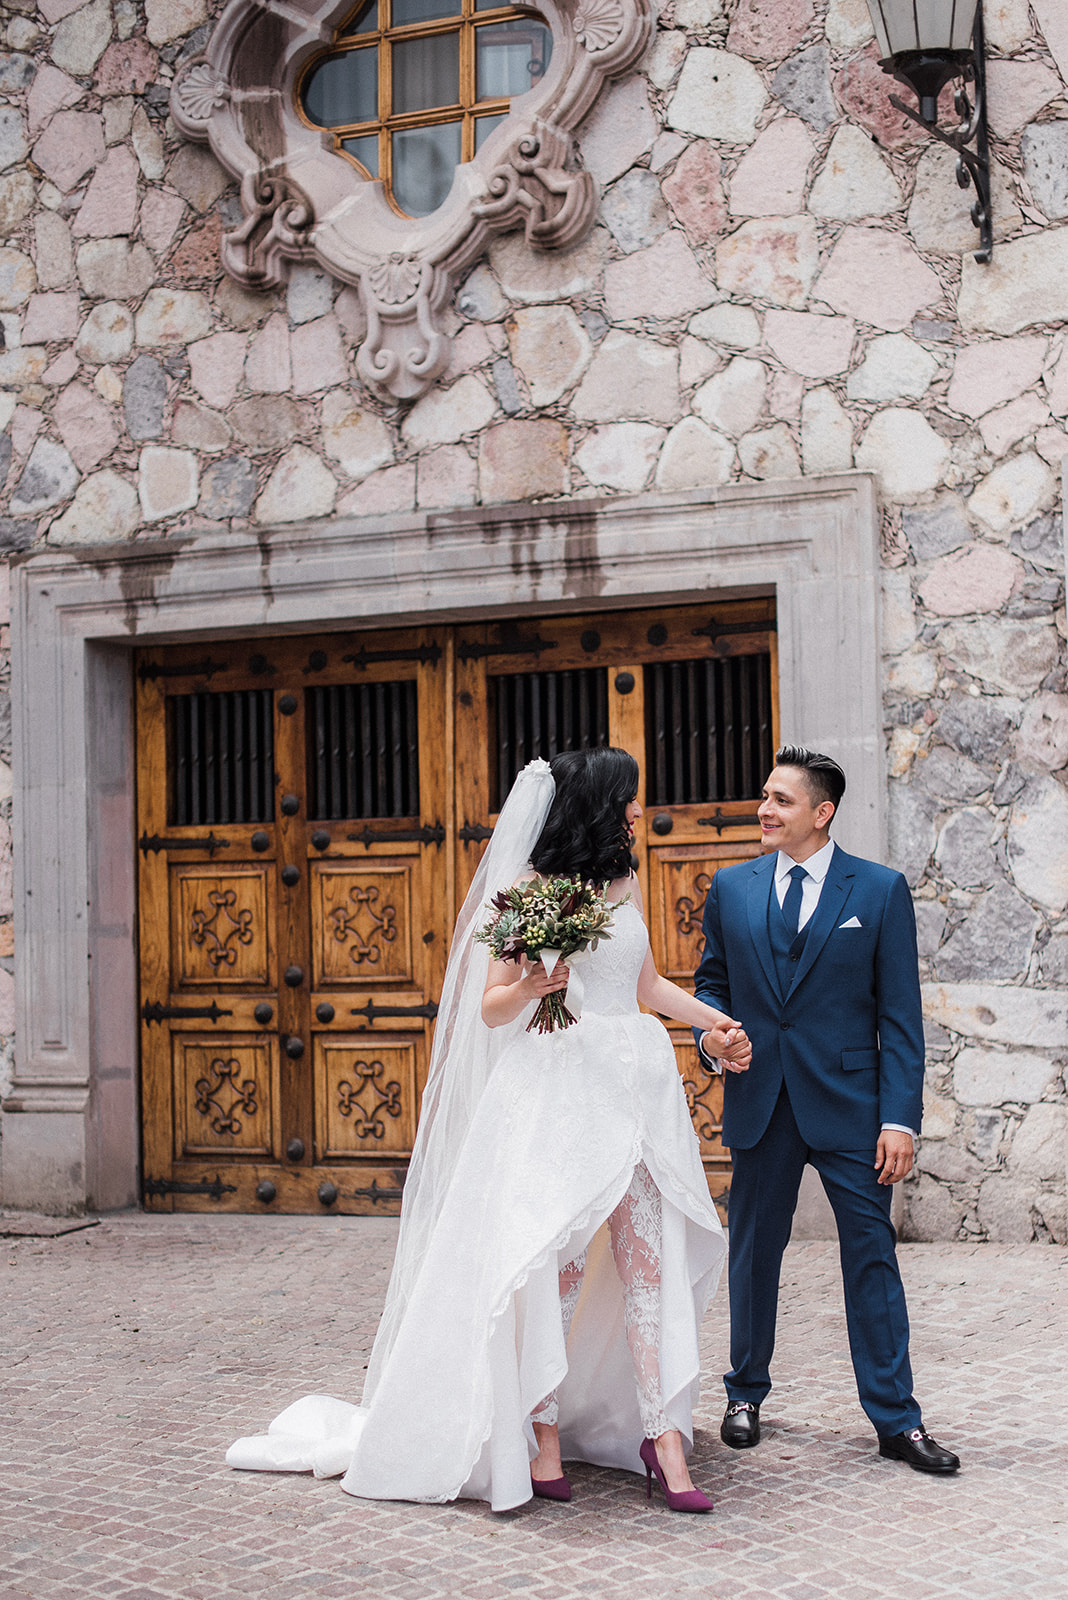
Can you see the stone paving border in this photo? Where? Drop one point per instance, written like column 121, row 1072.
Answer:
column 140, row 1348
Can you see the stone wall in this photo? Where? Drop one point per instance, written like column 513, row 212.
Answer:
column 780, row 283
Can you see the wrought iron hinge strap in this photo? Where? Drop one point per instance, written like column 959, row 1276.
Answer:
column 375, row 1194
column 424, row 653
column 428, row 834
column 516, row 646
column 157, row 842
column 153, row 1011
column 149, row 671
column 371, row 1011
column 714, row 630
column 474, row 833
column 155, row 1188
column 728, row 819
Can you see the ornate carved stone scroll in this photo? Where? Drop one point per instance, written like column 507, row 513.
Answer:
column 303, row 201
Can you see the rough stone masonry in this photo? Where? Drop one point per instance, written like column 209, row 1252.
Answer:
column 780, row 283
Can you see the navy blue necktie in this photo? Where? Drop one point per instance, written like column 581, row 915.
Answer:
column 791, row 906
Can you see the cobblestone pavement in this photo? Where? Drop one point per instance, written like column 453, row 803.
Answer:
column 134, row 1352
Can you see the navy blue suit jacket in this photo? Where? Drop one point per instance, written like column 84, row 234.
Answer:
column 847, row 1037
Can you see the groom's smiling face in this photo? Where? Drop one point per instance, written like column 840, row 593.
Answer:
column 790, row 819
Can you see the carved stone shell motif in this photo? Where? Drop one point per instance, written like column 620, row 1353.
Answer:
column 598, row 23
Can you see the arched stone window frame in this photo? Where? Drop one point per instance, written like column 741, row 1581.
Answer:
column 302, row 201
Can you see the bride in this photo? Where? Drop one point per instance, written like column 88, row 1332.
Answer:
column 557, row 1246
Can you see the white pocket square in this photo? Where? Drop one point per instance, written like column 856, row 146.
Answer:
column 854, row 922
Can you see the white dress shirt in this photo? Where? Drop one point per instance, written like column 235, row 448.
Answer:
column 816, row 868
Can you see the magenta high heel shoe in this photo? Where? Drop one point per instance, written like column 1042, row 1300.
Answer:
column 551, row 1488
column 685, row 1500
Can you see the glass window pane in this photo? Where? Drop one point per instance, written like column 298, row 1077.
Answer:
column 366, row 23
column 424, row 160
column 408, row 11
column 365, row 150
column 510, row 57
column 484, row 126
column 343, row 89
column 426, row 73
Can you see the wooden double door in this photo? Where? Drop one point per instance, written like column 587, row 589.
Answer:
column 310, row 813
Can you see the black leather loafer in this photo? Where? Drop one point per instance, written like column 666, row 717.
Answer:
column 740, row 1427
column 921, row 1452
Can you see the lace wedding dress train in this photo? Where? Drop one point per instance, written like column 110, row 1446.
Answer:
column 579, row 1190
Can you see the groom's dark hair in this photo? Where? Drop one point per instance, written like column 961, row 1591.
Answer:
column 824, row 778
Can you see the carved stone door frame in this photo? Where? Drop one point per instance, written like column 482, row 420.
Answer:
column 70, row 1131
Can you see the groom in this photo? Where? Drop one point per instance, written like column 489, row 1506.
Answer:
column 814, row 951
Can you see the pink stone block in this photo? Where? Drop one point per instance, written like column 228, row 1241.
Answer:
column 110, row 204
column 664, row 281
column 85, row 425
column 695, row 193
column 772, row 258
column 54, row 11
column 447, row 477
column 1018, row 420
column 52, row 91
column 769, row 30
column 7, row 998
column 216, row 365
column 877, row 277
column 161, row 212
column 5, row 594
column 986, row 375
column 769, row 181
column 70, row 146
column 392, row 489
column 62, row 369
column 815, row 346
column 863, row 91
column 1017, row 91
column 318, row 356
column 49, row 317
column 127, row 67
column 267, row 367
column 966, row 582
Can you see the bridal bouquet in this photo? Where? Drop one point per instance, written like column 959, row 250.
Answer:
column 547, row 920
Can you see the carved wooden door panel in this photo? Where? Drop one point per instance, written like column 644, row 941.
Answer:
column 295, row 912
column 691, row 693
column 310, row 815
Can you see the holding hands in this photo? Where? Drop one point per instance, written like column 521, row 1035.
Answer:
column 728, row 1043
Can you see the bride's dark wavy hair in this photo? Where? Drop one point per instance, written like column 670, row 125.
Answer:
column 585, row 832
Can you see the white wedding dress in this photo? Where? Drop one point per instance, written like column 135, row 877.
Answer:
column 568, row 1126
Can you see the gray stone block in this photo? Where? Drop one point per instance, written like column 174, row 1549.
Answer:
column 507, row 386
column 1038, row 1149
column 930, row 923
column 227, row 489
column 1005, row 1211
column 930, row 1211
column 946, row 1160
column 1055, row 960
column 911, row 830
column 804, row 87
column 144, row 396
column 49, row 477
column 635, row 210
column 983, row 1132
column 309, row 294
column 976, row 726
column 5, row 725
column 934, row 530
column 1045, row 156
column 16, row 533
column 950, row 775
column 5, row 457
column 993, row 942
column 17, row 72
column 1042, row 543
column 964, row 852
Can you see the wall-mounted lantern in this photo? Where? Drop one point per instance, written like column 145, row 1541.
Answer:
column 927, row 44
